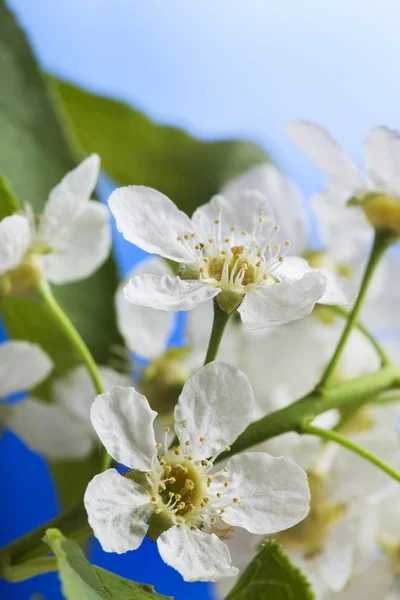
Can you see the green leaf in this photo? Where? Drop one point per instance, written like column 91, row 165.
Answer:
column 134, row 150
column 83, row 581
column 35, row 154
column 271, row 576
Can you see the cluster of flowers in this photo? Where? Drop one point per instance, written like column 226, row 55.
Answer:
column 247, row 252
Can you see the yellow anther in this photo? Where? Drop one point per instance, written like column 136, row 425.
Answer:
column 209, row 479
column 153, row 499
column 233, row 228
column 197, row 247
column 194, row 235
column 281, row 259
column 213, row 520
column 172, row 480
column 167, row 429
column 189, row 484
column 235, row 500
column 178, row 497
column 287, row 243
column 227, row 240
column 193, row 528
column 201, row 438
column 226, row 483
column 171, row 494
column 183, row 424
column 219, row 495
column 211, row 240
column 217, row 221
column 187, row 443
column 227, row 449
column 244, row 232
column 276, row 227
column 167, row 469
column 158, row 445
column 206, row 499
column 177, row 451
column 181, row 506
column 162, row 463
column 186, row 236
column 206, row 463
column 225, row 469
column 277, row 246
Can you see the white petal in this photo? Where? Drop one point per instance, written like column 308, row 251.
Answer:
column 50, row 430
column 283, row 302
column 82, row 245
column 217, row 404
column 336, row 562
column 324, row 151
column 273, row 492
column 284, row 197
column 339, row 290
column 15, row 238
column 151, row 220
column 123, row 421
column 241, row 209
column 22, row 367
column 383, row 310
column 196, row 555
column 118, row 510
column 382, row 158
column 168, row 293
column 345, row 230
column 373, row 584
column 68, row 198
column 302, row 449
column 75, row 391
column 145, row 330
column 352, row 477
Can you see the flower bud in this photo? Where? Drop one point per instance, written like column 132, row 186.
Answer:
column 162, row 381
column 382, row 211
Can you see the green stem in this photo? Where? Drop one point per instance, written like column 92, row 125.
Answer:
column 219, row 323
column 72, row 334
column 378, row 249
column 333, row 436
column 366, row 333
column 31, row 568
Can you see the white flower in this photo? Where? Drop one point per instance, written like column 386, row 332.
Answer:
column 346, row 180
column 337, row 540
column 72, row 237
column 45, row 428
column 180, row 502
column 73, row 393
column 228, row 246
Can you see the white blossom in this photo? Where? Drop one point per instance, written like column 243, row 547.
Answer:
column 179, row 487
column 46, row 428
column 228, row 246
column 72, row 237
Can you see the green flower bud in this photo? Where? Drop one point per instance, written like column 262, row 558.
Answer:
column 229, row 300
column 162, row 381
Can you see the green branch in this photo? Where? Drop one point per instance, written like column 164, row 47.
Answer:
column 333, row 436
column 378, row 249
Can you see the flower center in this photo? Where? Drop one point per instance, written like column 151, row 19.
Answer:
column 182, row 486
column 236, row 260
column 310, row 534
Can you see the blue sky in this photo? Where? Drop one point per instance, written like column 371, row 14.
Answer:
column 218, row 68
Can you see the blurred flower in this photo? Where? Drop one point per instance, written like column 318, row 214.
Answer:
column 337, row 540
column 229, row 253
column 71, row 240
column 46, row 428
column 375, row 195
column 175, row 497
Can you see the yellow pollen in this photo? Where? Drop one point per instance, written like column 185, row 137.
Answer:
column 265, row 276
column 158, row 446
column 168, row 469
column 219, row 495
column 183, row 424
column 194, row 235
column 188, row 443
column 205, row 259
column 181, row 506
column 224, row 252
column 259, row 254
column 202, row 505
column 209, row 479
column 192, row 528
column 233, row 228
column 227, row 240
column 244, row 232
column 197, row 247
column 217, row 221
column 172, row 479
column 178, row 497
column 166, row 429
column 186, row 236
column 221, row 511
column 259, row 263
column 189, row 457
column 213, row 520
column 227, row 449
column 189, row 484
column 287, row 243
column 277, row 246
column 162, row 463
column 226, row 483
column 171, row 494
column 177, row 451
column 261, row 220
column 276, row 227
column 235, row 500
column 202, row 269
column 211, row 240
column 202, row 439
column 206, row 463
column 225, row 469
column 281, row 259
column 153, row 499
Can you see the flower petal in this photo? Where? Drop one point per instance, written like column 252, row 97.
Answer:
column 216, row 404
column 168, row 293
column 145, row 330
column 283, row 196
column 75, row 391
column 339, row 290
column 68, row 198
column 241, row 209
column 118, row 510
column 374, row 583
column 15, row 238
column 22, row 366
column 382, row 158
column 273, row 492
column 123, row 421
column 151, row 220
column 50, row 430
column 283, row 302
column 81, row 246
column 324, row 151
column 198, row 556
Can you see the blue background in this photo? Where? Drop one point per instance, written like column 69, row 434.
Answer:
column 226, row 68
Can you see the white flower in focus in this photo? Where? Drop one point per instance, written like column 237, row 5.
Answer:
column 72, row 238
column 45, row 428
column 346, row 180
column 229, row 251
column 176, row 496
